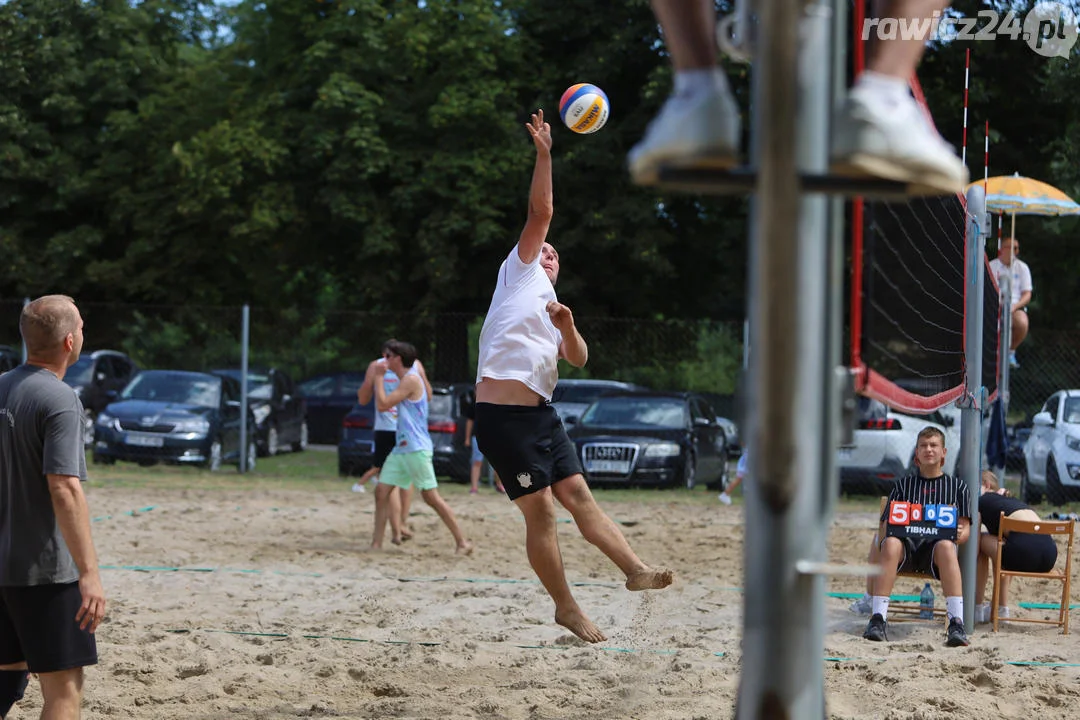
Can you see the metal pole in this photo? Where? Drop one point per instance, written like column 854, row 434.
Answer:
column 973, row 406
column 245, row 328
column 783, row 620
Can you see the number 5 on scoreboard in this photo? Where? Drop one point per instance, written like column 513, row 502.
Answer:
column 899, row 512
column 946, row 516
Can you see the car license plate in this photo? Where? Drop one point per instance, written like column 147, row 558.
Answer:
column 144, row 440
column 608, row 466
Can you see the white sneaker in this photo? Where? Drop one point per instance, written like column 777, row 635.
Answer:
column 982, row 613
column 358, row 488
column 1003, row 612
column 861, row 606
column 691, row 131
column 724, row 498
column 876, row 138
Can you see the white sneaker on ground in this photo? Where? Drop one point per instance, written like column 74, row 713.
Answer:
column 691, row 131
column 1003, row 612
column 879, row 136
column 982, row 613
column 724, row 498
column 358, row 488
column 862, row 606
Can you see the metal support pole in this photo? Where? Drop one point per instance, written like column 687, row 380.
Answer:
column 785, row 551
column 245, row 329
column 1005, row 303
column 972, row 410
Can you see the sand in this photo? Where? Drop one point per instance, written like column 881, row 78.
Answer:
column 265, row 604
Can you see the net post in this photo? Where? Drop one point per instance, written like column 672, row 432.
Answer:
column 975, row 400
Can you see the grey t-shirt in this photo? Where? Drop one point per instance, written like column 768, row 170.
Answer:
column 41, row 434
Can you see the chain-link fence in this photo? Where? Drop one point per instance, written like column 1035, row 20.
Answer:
column 663, row 354
column 1049, row 361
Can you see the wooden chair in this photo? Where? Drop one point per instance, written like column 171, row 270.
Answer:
column 908, row 610
column 1042, row 527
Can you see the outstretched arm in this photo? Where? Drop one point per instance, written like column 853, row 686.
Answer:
column 573, row 348
column 366, row 391
column 410, row 388
column 541, row 204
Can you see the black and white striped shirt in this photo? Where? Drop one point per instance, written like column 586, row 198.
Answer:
column 942, row 490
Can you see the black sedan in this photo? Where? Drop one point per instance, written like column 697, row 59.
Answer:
column 278, row 407
column 663, row 439
column 175, row 417
column 329, row 399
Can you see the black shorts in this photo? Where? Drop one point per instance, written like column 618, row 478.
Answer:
column 918, row 556
column 37, row 625
column 1024, row 552
column 384, row 443
column 527, row 446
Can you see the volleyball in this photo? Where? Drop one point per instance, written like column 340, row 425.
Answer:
column 584, row 108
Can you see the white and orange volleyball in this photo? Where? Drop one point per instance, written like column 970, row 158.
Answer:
column 584, row 108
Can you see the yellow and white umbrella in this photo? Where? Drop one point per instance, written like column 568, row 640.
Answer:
column 1018, row 195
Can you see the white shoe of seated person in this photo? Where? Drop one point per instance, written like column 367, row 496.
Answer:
column 700, row 130
column 891, row 138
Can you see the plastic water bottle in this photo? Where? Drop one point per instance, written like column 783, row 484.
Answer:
column 926, row 603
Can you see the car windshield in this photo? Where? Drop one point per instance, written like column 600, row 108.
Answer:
column 1071, row 413
column 583, row 393
column 167, row 387
column 320, row 387
column 645, row 412
column 441, row 404
column 259, row 385
column 79, row 373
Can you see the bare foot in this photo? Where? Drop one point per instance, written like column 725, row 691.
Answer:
column 465, row 549
column 650, row 579
column 406, row 535
column 576, row 622
column 397, row 541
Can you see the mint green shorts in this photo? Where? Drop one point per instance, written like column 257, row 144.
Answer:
column 405, row 469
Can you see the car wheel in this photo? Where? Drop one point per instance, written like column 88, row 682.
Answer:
column 302, row 443
column 1028, row 494
column 1054, row 492
column 689, row 472
column 725, row 470
column 272, row 441
column 252, row 456
column 102, row 460
column 88, row 427
column 213, row 460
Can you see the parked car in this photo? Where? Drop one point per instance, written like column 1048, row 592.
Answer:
column 1052, row 453
column 1017, row 436
column 98, row 377
column 572, row 396
column 279, row 409
column 726, row 404
column 329, row 399
column 663, row 439
column 446, row 426
column 10, row 358
column 884, row 448
column 175, row 417
column 356, row 449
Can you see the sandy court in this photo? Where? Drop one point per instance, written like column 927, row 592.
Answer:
column 264, row 604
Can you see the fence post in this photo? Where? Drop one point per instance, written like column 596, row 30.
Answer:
column 245, row 330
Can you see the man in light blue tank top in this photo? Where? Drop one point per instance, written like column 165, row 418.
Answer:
column 409, row 463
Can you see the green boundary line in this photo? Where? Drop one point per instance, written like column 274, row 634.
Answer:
column 129, row 513
column 438, row 643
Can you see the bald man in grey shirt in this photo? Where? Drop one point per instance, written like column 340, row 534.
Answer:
column 51, row 597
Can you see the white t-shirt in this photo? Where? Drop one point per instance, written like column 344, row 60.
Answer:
column 1021, row 276
column 518, row 340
